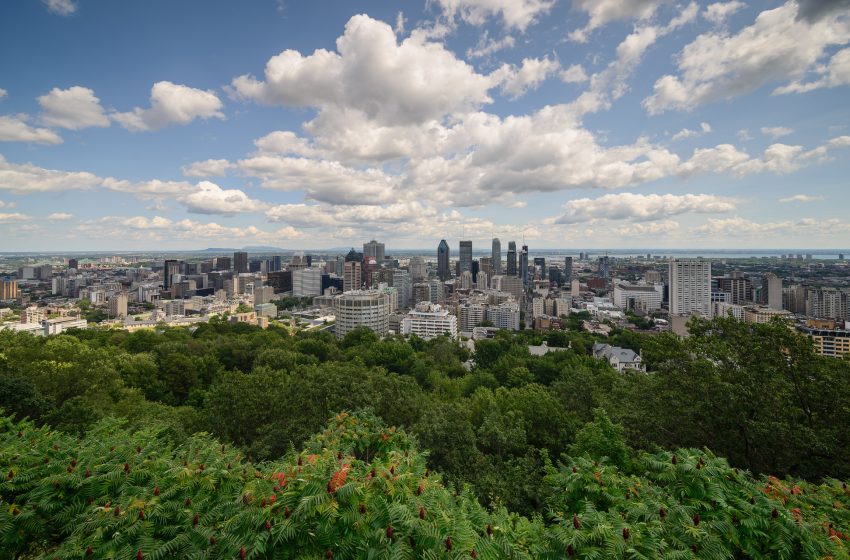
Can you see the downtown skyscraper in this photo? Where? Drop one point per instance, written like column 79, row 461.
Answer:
column 511, row 264
column 496, row 257
column 465, row 256
column 443, row 254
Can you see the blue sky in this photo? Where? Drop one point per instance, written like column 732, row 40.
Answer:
column 573, row 123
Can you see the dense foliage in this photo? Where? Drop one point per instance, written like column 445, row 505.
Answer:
column 496, row 419
column 362, row 490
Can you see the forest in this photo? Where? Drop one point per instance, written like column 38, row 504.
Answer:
column 733, row 445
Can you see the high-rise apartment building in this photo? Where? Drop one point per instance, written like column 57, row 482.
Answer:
column 169, row 270
column 223, row 263
column 511, row 264
column 496, row 257
column 443, row 254
column 568, row 271
column 374, row 249
column 690, row 287
column 604, row 272
column 736, row 285
column 306, row 282
column 240, row 262
column 118, row 306
column 73, row 264
column 8, row 289
column 465, row 256
column 771, row 290
column 362, row 308
column 352, row 276
column 402, row 282
column 418, row 269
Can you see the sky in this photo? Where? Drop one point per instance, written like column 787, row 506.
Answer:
column 579, row 124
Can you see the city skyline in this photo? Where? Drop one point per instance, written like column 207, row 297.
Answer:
column 555, row 124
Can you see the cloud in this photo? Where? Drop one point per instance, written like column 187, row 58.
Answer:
column 148, row 189
column 515, row 82
column 776, row 132
column 73, row 108
column 835, row 73
column 800, row 198
column 14, row 128
column 487, row 46
column 391, row 83
column 3, row 93
column 60, row 7
column 209, row 198
column 13, row 218
column 717, row 12
column 575, row 74
column 517, row 14
column 399, row 24
column 738, row 226
column 207, row 168
column 839, row 142
column 284, row 142
column 6, row 204
column 813, row 10
column 642, row 207
column 777, row 47
column 59, row 216
column 172, row 104
column 744, row 135
column 777, row 158
column 323, row 181
column 705, row 128
column 662, row 227
column 27, row 178
column 157, row 228
column 602, row 12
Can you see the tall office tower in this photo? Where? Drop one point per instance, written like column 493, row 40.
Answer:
column 555, row 275
column 353, row 256
column 374, row 249
column 485, row 265
column 690, row 287
column 222, row 263
column 306, row 282
column 443, row 254
column 240, row 262
column 465, row 256
column 511, row 264
column 352, row 278
column 418, row 269
column 169, row 269
column 523, row 265
column 402, row 281
column 340, row 265
column 277, row 263
column 496, row 257
column 540, row 264
column 362, row 308
column 603, row 267
column 307, row 260
column 73, row 264
column 568, row 271
column 771, row 290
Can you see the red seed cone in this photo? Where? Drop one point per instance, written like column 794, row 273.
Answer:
column 89, row 550
column 489, row 530
column 421, row 512
column 674, row 460
column 696, row 520
column 286, row 512
column 329, row 554
column 626, row 533
column 449, row 544
column 473, row 554
column 139, row 555
column 195, row 520
column 268, row 526
column 156, row 491
column 212, row 541
column 390, row 532
column 662, row 513
column 188, row 502
column 576, row 522
column 242, row 553
column 570, row 550
column 774, row 514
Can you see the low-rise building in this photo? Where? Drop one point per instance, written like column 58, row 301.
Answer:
column 428, row 320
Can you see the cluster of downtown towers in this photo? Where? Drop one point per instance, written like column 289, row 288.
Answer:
column 465, row 262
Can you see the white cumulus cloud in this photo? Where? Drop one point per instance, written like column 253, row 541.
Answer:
column 518, row 14
column 60, row 7
column 15, row 128
column 207, row 168
column 642, row 207
column 209, row 198
column 172, row 104
column 73, row 108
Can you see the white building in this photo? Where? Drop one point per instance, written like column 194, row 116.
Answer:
column 621, row 359
column 538, row 308
column 471, row 314
column 60, row 324
column 362, row 308
column 690, row 287
column 724, row 309
column 429, row 320
column 505, row 315
column 307, row 282
column 639, row 297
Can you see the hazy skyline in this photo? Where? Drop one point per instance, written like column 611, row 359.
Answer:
column 578, row 123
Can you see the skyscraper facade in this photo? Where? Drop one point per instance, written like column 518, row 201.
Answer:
column 568, row 271
column 511, row 264
column 523, row 265
column 240, row 262
column 771, row 289
column 465, row 256
column 352, row 276
column 374, row 249
column 443, row 254
column 690, row 287
column 496, row 257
